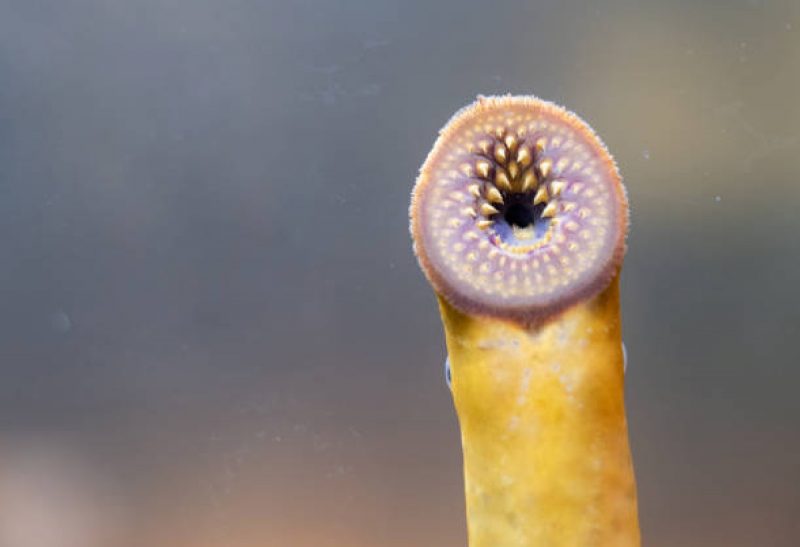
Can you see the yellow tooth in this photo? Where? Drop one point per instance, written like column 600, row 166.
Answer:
column 501, row 179
column 466, row 169
column 474, row 189
column 524, row 156
column 469, row 211
column 513, row 170
column 484, row 145
column 487, row 210
column 541, row 144
column 550, row 210
column 483, row 224
column 545, row 166
column 541, row 195
column 557, row 186
column 529, row 181
column 569, row 206
column 511, row 141
column 483, row 167
column 494, row 195
column 500, row 153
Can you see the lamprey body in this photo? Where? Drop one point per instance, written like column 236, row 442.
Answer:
column 519, row 219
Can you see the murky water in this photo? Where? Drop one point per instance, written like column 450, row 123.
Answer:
column 214, row 332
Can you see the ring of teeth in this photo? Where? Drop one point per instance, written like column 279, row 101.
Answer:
column 508, row 166
column 487, row 171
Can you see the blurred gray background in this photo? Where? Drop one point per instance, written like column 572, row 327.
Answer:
column 213, row 331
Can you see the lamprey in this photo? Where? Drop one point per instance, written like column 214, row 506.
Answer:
column 519, row 220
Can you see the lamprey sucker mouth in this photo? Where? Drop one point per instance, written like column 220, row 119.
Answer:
column 519, row 210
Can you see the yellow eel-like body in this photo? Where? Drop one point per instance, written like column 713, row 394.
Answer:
column 519, row 220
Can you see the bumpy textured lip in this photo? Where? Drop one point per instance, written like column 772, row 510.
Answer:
column 481, row 279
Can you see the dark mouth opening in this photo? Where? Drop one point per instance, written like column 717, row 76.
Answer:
column 520, row 215
column 520, row 221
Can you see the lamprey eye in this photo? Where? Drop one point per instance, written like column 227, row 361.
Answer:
column 448, row 375
column 519, row 210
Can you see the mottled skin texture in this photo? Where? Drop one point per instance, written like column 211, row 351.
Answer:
column 542, row 416
column 519, row 220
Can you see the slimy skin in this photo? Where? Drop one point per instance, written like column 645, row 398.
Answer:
column 519, row 219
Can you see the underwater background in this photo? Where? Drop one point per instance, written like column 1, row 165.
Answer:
column 213, row 331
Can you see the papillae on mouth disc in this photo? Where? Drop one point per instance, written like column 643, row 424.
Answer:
column 519, row 210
